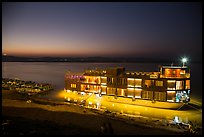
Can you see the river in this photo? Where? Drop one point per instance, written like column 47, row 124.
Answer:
column 53, row 73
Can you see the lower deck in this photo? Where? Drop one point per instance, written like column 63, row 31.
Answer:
column 95, row 99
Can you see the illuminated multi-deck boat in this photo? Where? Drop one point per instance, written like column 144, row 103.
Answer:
column 167, row 88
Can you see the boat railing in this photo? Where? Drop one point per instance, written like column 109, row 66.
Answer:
column 95, row 71
column 142, row 73
column 176, row 76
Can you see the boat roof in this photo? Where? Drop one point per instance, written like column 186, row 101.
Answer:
column 174, row 67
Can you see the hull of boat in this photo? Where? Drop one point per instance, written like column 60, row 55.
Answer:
column 95, row 98
column 142, row 102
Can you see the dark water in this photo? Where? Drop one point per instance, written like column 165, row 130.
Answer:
column 53, row 72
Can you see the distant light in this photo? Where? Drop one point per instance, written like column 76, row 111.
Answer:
column 177, row 120
column 90, row 103
column 5, row 54
column 83, row 93
column 98, row 96
column 184, row 60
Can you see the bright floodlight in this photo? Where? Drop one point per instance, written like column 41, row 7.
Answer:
column 184, row 60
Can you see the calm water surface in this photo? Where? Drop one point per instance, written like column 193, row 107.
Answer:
column 53, row 72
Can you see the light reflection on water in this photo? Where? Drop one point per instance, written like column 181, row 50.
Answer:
column 53, row 72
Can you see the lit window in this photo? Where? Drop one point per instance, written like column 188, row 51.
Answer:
column 182, row 72
column 171, row 96
column 148, row 83
column 159, row 83
column 103, row 89
column 187, row 84
column 83, row 87
column 73, row 85
column 103, row 80
column 179, row 85
column 111, row 91
column 120, row 92
column 130, row 82
column 138, row 93
column 147, row 94
column 171, row 84
column 130, row 92
column 138, row 82
column 161, row 96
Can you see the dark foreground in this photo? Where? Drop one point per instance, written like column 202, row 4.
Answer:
column 25, row 126
column 21, row 118
column 36, row 121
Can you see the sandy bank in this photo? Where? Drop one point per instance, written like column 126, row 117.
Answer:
column 65, row 115
column 82, row 118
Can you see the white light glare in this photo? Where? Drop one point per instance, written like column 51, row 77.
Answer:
column 184, row 60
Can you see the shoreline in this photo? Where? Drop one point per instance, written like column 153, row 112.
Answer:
column 80, row 116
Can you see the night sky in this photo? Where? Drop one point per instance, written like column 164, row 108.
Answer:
column 87, row 29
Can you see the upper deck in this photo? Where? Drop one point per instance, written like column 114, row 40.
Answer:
column 164, row 72
column 174, row 72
